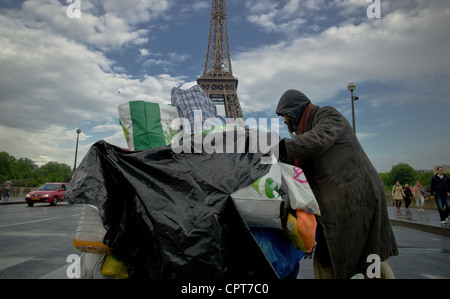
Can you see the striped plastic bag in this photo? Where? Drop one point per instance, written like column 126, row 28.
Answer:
column 147, row 125
column 194, row 105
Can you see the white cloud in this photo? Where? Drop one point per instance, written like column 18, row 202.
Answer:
column 57, row 73
column 188, row 7
column 117, row 138
column 108, row 127
column 167, row 60
column 397, row 49
column 363, row 135
column 274, row 17
column 137, row 11
column 54, row 80
column 52, row 143
column 52, row 83
column 103, row 24
column 144, row 52
column 63, row 81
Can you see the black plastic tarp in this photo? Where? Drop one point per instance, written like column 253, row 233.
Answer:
column 170, row 215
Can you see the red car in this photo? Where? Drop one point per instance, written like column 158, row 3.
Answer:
column 49, row 192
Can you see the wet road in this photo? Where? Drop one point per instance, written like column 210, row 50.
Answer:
column 421, row 256
column 36, row 241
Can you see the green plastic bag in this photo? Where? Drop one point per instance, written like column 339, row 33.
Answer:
column 147, row 125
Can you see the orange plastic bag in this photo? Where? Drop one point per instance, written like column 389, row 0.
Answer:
column 301, row 230
column 307, row 226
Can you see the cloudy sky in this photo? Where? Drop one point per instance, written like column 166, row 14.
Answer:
column 59, row 72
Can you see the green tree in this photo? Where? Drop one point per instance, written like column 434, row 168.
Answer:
column 6, row 166
column 52, row 172
column 425, row 179
column 23, row 171
column 23, row 168
column 385, row 178
column 403, row 173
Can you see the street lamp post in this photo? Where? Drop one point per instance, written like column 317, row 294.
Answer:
column 352, row 86
column 76, row 151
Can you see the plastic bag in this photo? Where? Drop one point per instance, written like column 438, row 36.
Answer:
column 280, row 251
column 91, row 265
column 147, row 125
column 300, row 193
column 194, row 106
column 112, row 266
column 301, row 230
column 260, row 204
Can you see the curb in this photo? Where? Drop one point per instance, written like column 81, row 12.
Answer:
column 443, row 231
column 11, row 202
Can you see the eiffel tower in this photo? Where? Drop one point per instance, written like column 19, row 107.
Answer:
column 217, row 79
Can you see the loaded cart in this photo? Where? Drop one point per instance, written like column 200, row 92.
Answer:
column 188, row 212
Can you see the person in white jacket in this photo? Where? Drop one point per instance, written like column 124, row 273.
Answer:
column 8, row 184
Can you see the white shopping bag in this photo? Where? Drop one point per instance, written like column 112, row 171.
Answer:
column 259, row 212
column 260, row 203
column 300, row 193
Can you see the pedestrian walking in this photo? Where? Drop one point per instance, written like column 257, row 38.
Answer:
column 8, row 184
column 440, row 191
column 398, row 194
column 354, row 221
column 408, row 196
column 419, row 196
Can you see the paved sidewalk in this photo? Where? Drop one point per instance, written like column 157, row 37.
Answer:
column 427, row 220
column 12, row 200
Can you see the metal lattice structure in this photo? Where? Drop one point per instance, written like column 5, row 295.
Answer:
column 217, row 79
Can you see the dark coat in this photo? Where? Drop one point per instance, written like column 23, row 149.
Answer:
column 440, row 186
column 350, row 193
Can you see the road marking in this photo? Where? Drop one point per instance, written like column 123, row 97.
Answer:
column 33, row 234
column 431, row 276
column 39, row 220
column 59, row 273
column 6, row 262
